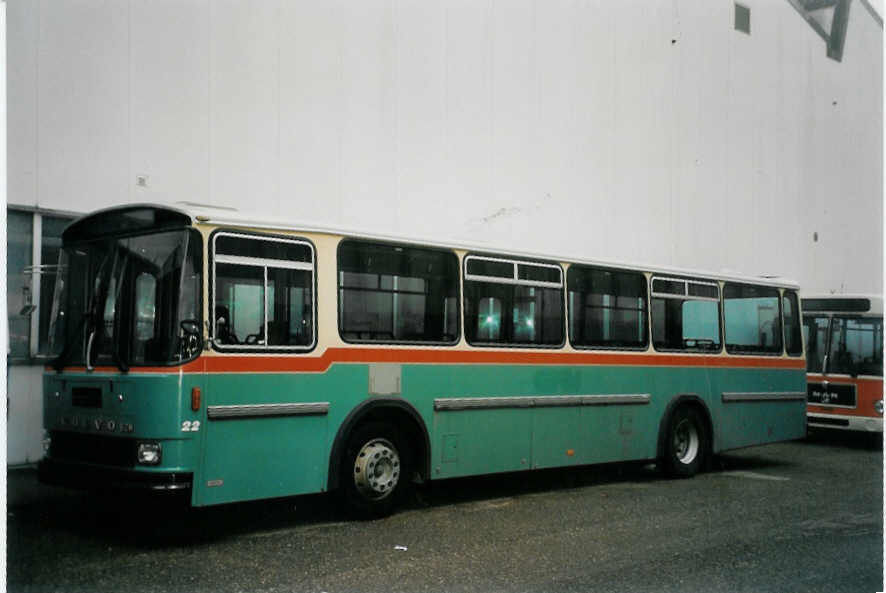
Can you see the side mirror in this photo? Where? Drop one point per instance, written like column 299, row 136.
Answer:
column 192, row 338
column 190, row 327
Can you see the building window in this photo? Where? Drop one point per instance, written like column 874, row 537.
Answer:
column 742, row 19
column 33, row 242
column 19, row 303
column 50, row 248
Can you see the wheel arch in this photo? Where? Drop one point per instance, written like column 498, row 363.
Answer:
column 398, row 411
column 691, row 400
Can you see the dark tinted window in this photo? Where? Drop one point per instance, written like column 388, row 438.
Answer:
column 607, row 308
column 514, row 312
column 266, row 249
column 391, row 293
column 538, row 273
column 668, row 286
column 709, row 291
column 844, row 305
column 485, row 267
column 751, row 319
column 121, row 221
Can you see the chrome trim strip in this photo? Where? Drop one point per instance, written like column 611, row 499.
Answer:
column 263, row 410
column 539, row 401
column 266, row 263
column 176, row 486
column 734, row 397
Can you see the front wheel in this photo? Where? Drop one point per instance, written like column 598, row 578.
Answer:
column 687, row 444
column 374, row 470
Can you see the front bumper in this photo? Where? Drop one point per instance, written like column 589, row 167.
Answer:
column 845, row 422
column 90, row 477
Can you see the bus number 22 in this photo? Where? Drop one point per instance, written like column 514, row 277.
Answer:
column 188, row 426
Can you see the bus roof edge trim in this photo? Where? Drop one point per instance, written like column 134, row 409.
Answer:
column 210, row 215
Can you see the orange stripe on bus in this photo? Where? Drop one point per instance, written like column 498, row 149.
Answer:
column 269, row 363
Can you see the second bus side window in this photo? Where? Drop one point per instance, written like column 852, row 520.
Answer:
column 607, row 308
column 393, row 293
column 513, row 302
column 685, row 315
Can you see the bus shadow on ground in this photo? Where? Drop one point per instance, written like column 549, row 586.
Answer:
column 142, row 523
column 480, row 488
column 845, row 438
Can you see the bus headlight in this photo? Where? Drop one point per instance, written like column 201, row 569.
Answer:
column 149, row 453
column 878, row 406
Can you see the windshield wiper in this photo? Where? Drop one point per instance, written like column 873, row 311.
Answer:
column 115, row 355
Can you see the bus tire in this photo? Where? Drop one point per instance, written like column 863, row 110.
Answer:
column 687, row 443
column 374, row 470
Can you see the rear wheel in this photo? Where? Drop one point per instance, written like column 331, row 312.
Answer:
column 687, row 443
column 374, row 470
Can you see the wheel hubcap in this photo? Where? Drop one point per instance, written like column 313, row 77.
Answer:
column 377, row 469
column 686, row 441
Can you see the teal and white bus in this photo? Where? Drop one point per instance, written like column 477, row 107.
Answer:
column 243, row 360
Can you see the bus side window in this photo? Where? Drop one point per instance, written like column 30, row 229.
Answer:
column 263, row 292
column 397, row 293
column 752, row 320
column 513, row 302
column 790, row 312
column 607, row 308
column 685, row 315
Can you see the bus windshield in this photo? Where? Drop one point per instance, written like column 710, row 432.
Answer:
column 132, row 300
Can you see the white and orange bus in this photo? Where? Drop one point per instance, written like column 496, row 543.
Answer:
column 844, row 355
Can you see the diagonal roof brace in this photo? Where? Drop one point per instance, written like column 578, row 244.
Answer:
column 811, row 5
column 829, row 19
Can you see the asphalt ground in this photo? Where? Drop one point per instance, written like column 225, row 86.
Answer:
column 800, row 516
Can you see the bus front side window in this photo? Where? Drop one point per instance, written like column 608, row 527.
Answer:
column 815, row 332
column 263, row 292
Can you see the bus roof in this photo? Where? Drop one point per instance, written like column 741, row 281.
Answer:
column 223, row 215
column 843, row 303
